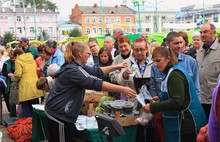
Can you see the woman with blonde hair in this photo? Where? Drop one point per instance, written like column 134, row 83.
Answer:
column 65, row 100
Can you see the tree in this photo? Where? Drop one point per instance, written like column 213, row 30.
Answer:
column 76, row 32
column 8, row 37
column 40, row 4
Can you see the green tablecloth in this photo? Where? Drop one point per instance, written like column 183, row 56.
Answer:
column 40, row 131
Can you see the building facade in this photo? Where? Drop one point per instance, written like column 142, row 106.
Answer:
column 101, row 20
column 24, row 21
column 152, row 22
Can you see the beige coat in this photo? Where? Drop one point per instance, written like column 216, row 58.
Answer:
column 209, row 70
column 25, row 73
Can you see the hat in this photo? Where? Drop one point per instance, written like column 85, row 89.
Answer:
column 24, row 39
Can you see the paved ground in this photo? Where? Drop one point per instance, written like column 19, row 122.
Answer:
column 5, row 114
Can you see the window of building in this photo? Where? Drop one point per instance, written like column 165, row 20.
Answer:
column 106, row 20
column 147, row 17
column 1, row 17
column 50, row 30
column 88, row 30
column 147, row 29
column 31, row 18
column 10, row 19
column 19, row 30
column 87, row 20
column 18, row 18
column 11, row 29
column 94, row 30
column 39, row 19
column 50, row 19
column 93, row 20
column 31, row 29
column 215, row 18
column 112, row 19
column 118, row 19
column 106, row 30
column 128, row 19
column 163, row 17
column 99, row 20
column 39, row 30
column 99, row 30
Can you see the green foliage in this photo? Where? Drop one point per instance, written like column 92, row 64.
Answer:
column 76, row 32
column 8, row 37
column 108, row 34
column 40, row 4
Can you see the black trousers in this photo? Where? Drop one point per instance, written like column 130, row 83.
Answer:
column 69, row 130
column 207, row 108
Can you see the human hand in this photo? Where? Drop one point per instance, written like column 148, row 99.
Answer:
column 129, row 92
column 147, row 108
column 122, row 65
column 126, row 73
column 10, row 75
column 156, row 99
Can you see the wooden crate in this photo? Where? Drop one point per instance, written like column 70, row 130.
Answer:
column 123, row 121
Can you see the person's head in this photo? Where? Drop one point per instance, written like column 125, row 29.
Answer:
column 93, row 46
column 105, row 55
column 11, row 55
column 45, row 54
column 140, row 49
column 163, row 58
column 52, row 69
column 144, row 36
column 24, row 42
column 109, row 42
column 40, row 49
column 185, row 37
column 18, row 52
column 77, row 51
column 117, row 32
column 174, row 41
column 7, row 49
column 124, row 45
column 42, row 84
column 51, row 46
column 208, row 33
column 196, row 40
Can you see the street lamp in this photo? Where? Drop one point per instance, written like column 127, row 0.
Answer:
column 35, row 30
column 138, row 3
column 203, row 11
column 24, row 10
column 101, row 14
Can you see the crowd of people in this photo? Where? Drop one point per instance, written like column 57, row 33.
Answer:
column 182, row 81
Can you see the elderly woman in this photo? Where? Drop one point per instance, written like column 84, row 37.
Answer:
column 65, row 100
column 25, row 74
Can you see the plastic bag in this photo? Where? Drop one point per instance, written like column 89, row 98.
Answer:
column 144, row 118
column 143, row 95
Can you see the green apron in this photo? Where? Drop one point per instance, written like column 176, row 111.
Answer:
column 172, row 119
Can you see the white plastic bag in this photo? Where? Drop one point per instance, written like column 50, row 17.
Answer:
column 144, row 118
column 144, row 94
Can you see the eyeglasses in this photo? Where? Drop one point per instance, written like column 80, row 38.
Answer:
column 88, row 53
column 139, row 49
column 92, row 46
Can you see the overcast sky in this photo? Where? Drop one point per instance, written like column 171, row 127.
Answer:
column 65, row 6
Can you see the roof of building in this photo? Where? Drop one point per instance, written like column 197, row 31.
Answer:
column 197, row 12
column 106, row 9
column 27, row 10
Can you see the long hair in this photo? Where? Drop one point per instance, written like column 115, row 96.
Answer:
column 108, row 52
column 72, row 49
column 166, row 52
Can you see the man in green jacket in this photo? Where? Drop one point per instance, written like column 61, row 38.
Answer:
column 24, row 42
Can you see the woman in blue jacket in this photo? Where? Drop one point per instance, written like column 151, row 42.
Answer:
column 65, row 100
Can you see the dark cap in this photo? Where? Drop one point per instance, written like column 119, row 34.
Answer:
column 24, row 39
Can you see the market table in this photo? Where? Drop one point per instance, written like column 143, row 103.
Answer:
column 40, row 130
